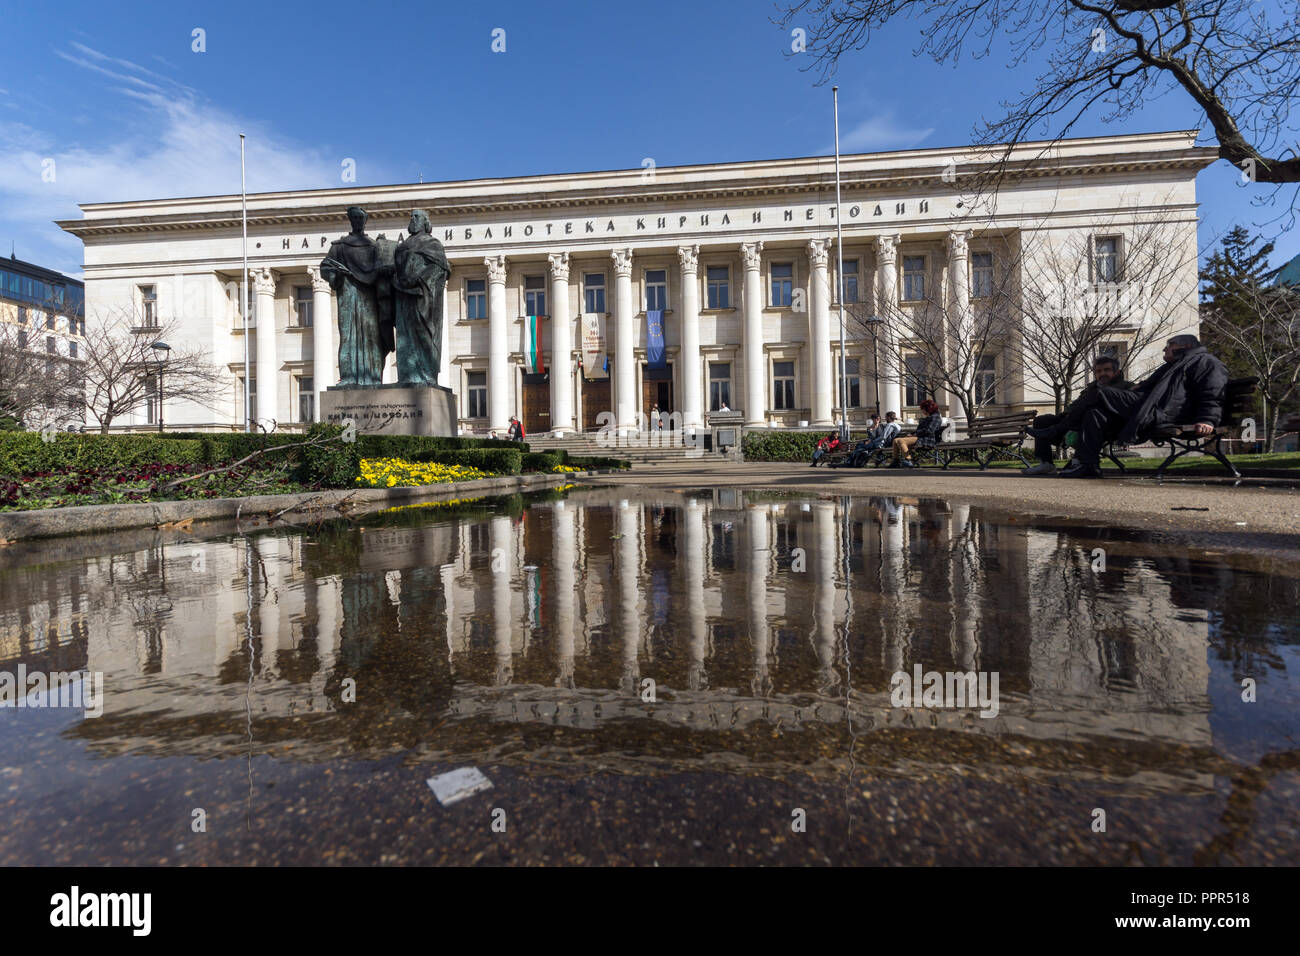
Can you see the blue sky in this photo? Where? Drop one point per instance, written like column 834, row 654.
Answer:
column 117, row 98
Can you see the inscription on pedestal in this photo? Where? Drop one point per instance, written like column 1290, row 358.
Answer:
column 392, row 409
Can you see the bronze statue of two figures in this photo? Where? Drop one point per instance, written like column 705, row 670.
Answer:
column 389, row 298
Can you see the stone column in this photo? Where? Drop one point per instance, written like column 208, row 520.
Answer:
column 624, row 330
column 268, row 371
column 959, row 303
column 324, row 359
column 628, row 575
column 891, row 392
column 755, row 375
column 564, row 557
column 499, row 410
column 692, row 406
column 827, row 535
column 561, row 346
column 824, row 396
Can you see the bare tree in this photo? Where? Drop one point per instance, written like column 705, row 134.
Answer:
column 1267, row 342
column 37, row 387
column 121, row 367
column 1235, row 60
column 1077, row 296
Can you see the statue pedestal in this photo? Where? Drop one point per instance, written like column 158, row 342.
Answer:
column 392, row 409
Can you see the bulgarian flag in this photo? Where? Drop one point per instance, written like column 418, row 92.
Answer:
column 533, row 344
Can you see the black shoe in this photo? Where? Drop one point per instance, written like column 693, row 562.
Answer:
column 1048, row 431
column 1080, row 471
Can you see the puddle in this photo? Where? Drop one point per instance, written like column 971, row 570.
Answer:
column 661, row 677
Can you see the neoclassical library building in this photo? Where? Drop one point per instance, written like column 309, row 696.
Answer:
column 686, row 290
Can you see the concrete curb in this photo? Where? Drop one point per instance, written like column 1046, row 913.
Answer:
column 90, row 519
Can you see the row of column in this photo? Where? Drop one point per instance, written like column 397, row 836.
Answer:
column 824, row 380
column 265, row 355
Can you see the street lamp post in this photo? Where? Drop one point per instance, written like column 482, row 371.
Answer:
column 160, row 349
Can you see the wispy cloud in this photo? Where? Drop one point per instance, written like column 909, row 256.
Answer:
column 191, row 148
column 879, row 132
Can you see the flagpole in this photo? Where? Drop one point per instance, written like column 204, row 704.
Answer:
column 248, row 369
column 839, row 251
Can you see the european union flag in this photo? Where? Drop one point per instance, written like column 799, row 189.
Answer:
column 656, row 356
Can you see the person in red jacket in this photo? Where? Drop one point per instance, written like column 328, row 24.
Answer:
column 516, row 432
column 825, row 447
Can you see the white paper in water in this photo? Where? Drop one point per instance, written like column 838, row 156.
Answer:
column 458, row 784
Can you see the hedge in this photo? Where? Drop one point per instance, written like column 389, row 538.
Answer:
column 25, row 453
column 591, row 464
column 500, row 461
column 784, row 446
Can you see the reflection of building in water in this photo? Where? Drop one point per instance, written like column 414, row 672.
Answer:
column 741, row 608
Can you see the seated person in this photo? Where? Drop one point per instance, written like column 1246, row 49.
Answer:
column 1187, row 389
column 1050, row 430
column 825, row 447
column 926, row 435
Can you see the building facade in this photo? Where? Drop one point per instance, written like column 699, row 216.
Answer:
column 42, row 320
column 683, row 289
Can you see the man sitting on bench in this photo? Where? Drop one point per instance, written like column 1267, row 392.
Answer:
column 926, row 435
column 1188, row 388
column 1050, row 430
column 879, row 435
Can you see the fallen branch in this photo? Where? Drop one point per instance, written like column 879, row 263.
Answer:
column 172, row 485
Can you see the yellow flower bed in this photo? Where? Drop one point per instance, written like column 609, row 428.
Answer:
column 395, row 472
column 564, row 470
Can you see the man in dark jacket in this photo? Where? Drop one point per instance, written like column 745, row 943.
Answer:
column 1187, row 389
column 1050, row 430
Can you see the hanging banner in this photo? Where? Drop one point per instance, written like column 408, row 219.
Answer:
column 533, row 343
column 595, row 363
column 655, row 354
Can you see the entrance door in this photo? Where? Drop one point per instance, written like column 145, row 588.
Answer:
column 656, row 390
column 595, row 399
column 537, row 403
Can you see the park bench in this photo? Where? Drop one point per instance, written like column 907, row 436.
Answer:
column 998, row 436
column 882, row 455
column 1238, row 401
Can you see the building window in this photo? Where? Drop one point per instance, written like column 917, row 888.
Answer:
column 852, row 383
column 1116, row 350
column 49, row 322
column 913, row 278
column 719, row 386
column 1105, row 261
column 656, row 290
column 981, row 275
column 986, row 379
column 850, row 281
column 252, row 398
column 535, row 295
column 477, row 382
column 916, row 385
column 476, row 298
column 783, row 386
column 22, row 338
column 151, row 400
column 718, row 280
column 51, row 346
column 782, row 284
column 306, row 399
column 302, row 305
column 22, row 315
column 593, row 291
column 72, row 350
column 149, row 306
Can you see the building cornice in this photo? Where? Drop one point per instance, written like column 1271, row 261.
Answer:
column 906, row 170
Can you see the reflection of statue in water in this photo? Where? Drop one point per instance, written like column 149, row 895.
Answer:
column 420, row 271
column 353, row 270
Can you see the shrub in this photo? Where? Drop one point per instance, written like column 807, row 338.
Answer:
column 334, row 465
column 784, row 446
column 25, row 453
column 593, row 464
column 542, row 460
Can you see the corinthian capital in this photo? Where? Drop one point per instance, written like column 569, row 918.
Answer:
column 689, row 257
column 318, row 284
column 752, row 254
column 559, row 266
column 263, row 281
column 958, row 241
column 817, row 253
column 496, row 267
column 622, row 262
column 887, row 250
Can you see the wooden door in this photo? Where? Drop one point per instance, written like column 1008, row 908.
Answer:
column 537, row 407
column 656, row 390
column 595, row 399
